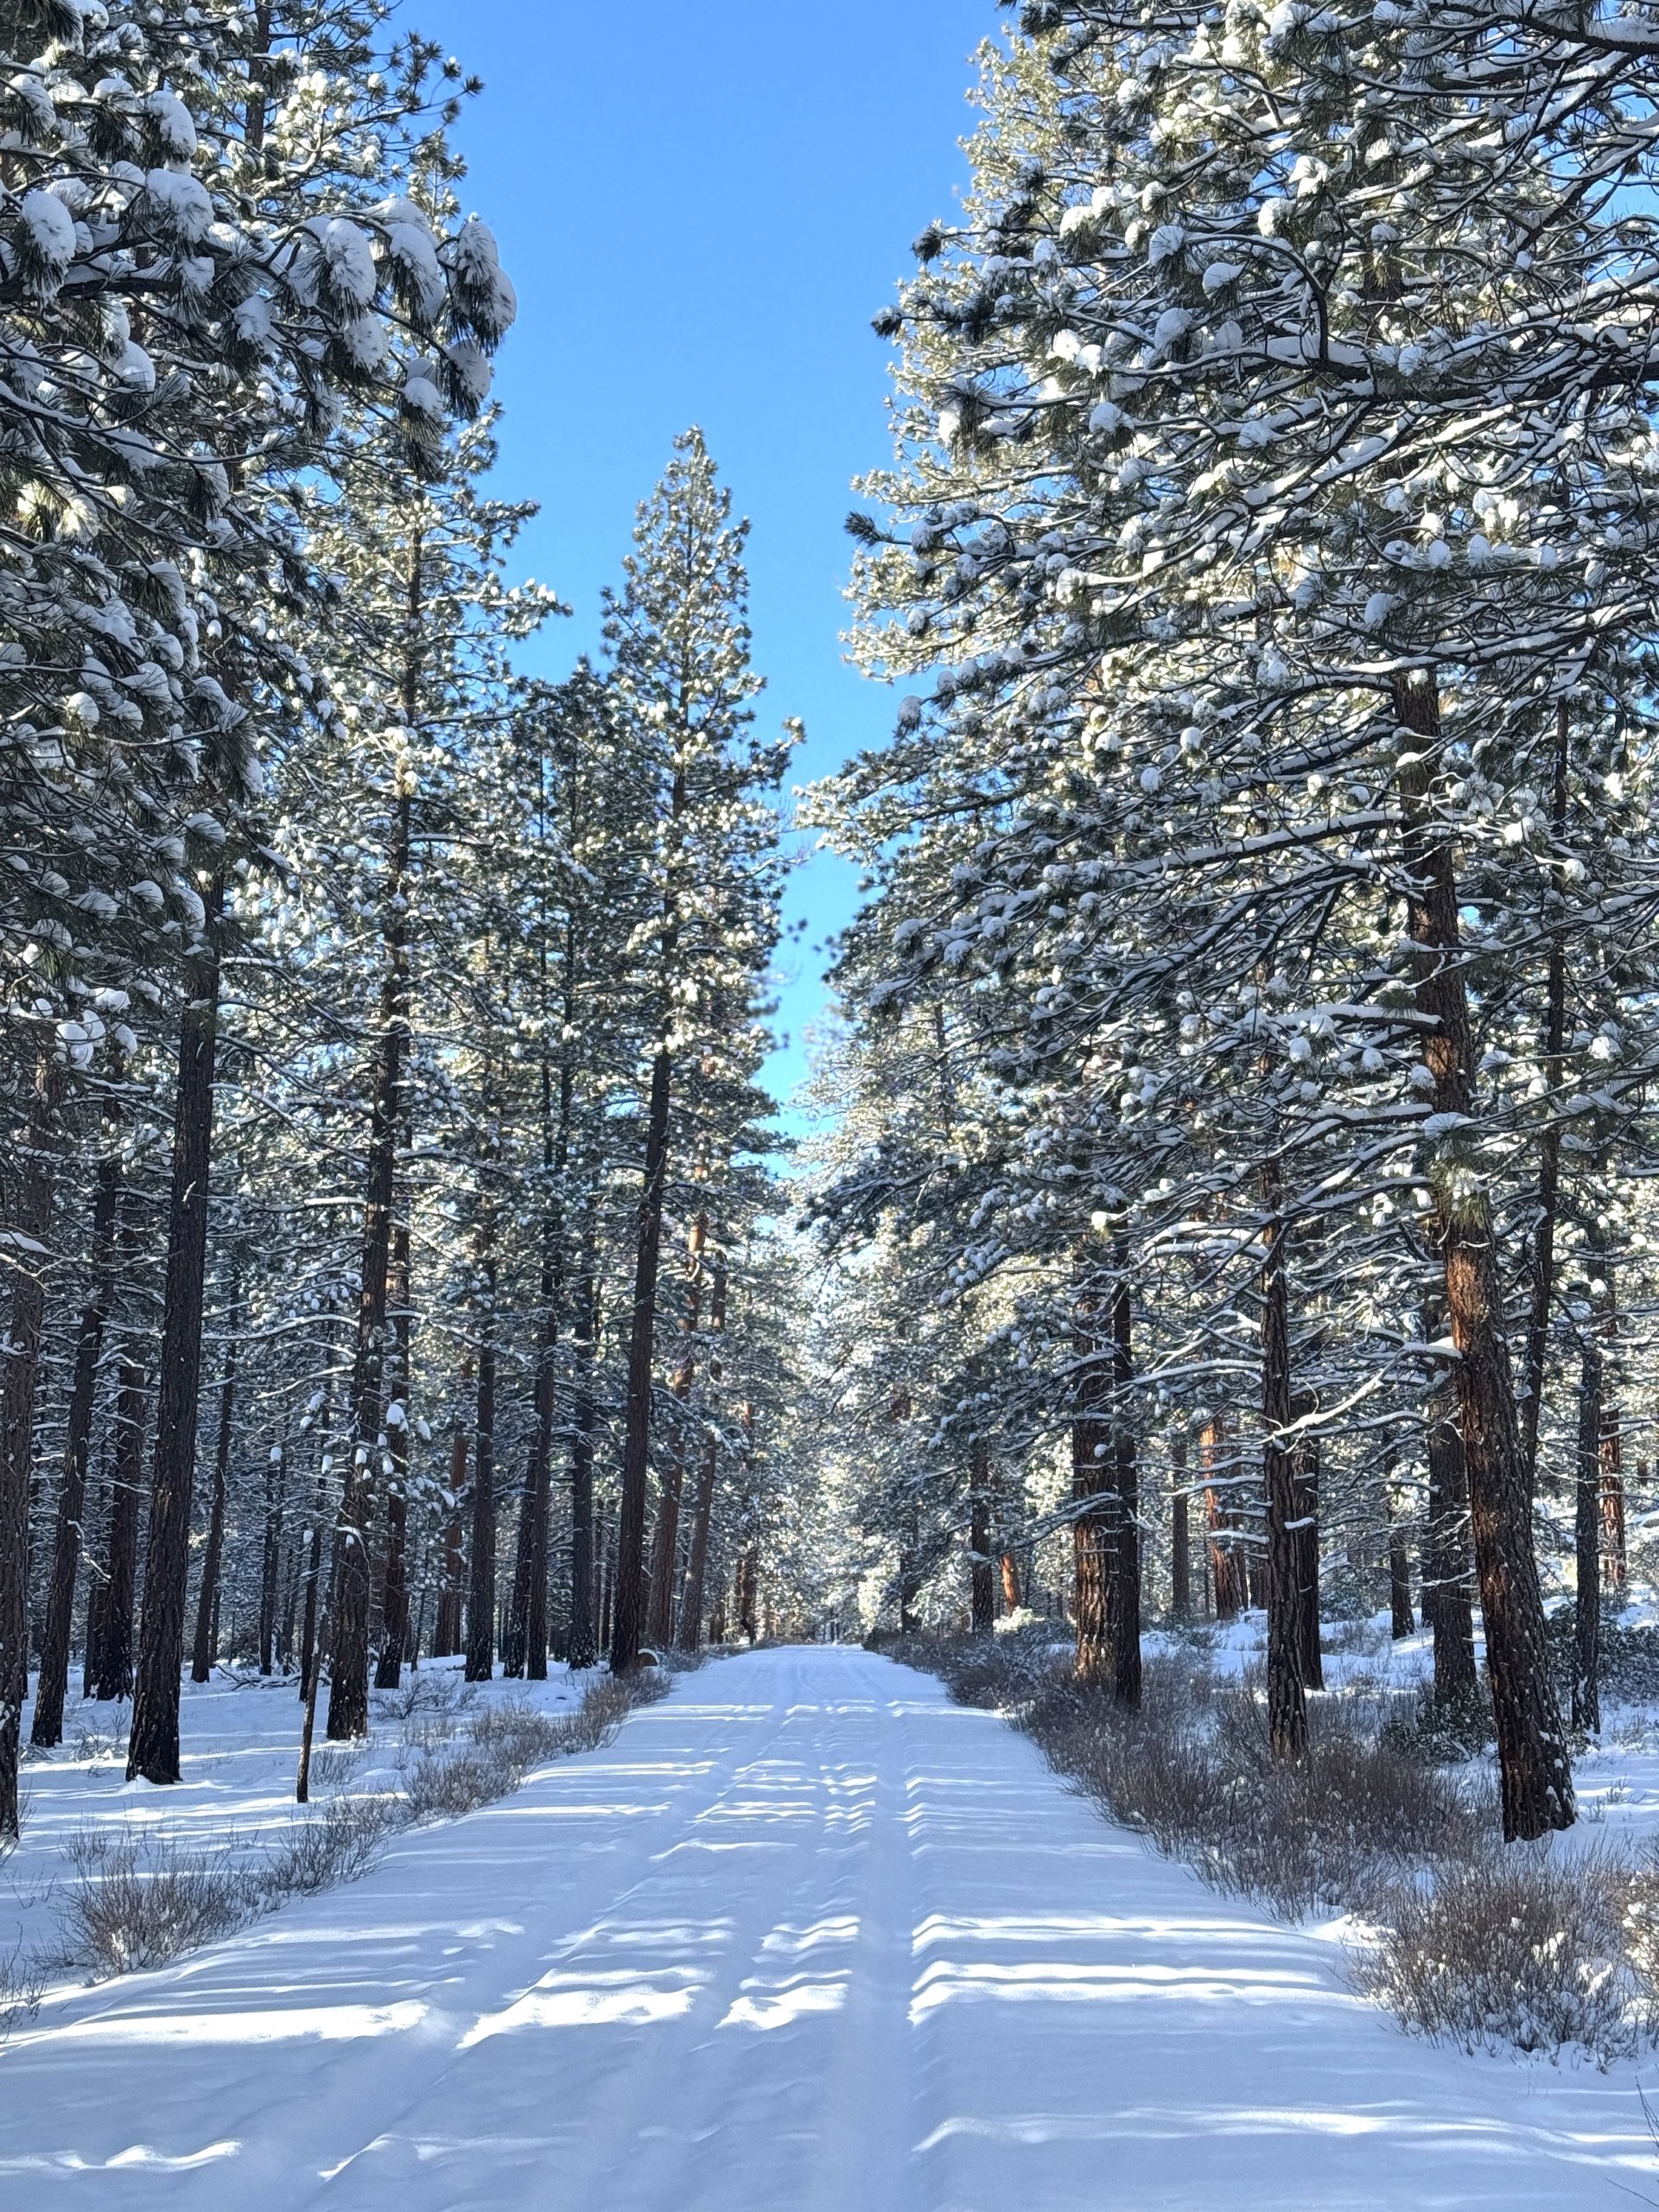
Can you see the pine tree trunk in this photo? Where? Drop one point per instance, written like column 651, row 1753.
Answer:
column 659, row 1617
column 584, row 1649
column 689, row 1633
column 628, row 1621
column 271, row 1559
column 349, row 1684
column 1586, row 1528
column 1535, row 1777
column 153, row 1746
column 1093, row 1536
column 447, row 1630
column 1549, row 1145
column 1446, row 1548
column 23, row 1368
column 394, row 1599
column 115, row 1636
column 52, row 1689
column 1226, row 1574
column 1305, row 1479
column 1011, row 1596
column 1126, row 1505
column 514, row 1642
column 982, row 1565
column 1402, row 1621
column 1180, row 1534
column 480, row 1609
column 1615, row 1563
column 205, row 1648
column 1287, row 1698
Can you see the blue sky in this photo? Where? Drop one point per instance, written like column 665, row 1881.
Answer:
column 701, row 208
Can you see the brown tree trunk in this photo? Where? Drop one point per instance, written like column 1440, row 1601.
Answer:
column 584, row 1651
column 1615, row 1556
column 115, row 1629
column 1549, row 1144
column 1126, row 1504
column 394, row 1599
column 660, row 1616
column 31, row 1224
column 1535, row 1776
column 1402, row 1621
column 1011, row 1597
column 1446, row 1549
column 690, row 1634
column 348, row 1681
column 1226, row 1569
column 1586, row 1528
column 52, row 1686
column 310, row 1658
column 446, row 1637
column 480, row 1607
column 1180, row 1534
column 1093, row 1536
column 271, row 1558
column 981, row 1563
column 206, row 1647
column 1305, row 1478
column 1287, row 1679
column 153, row 1746
column 747, row 1594
column 628, row 1622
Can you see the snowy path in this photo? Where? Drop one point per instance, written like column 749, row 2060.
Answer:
column 806, row 1939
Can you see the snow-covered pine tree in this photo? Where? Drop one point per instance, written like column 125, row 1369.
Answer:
column 679, row 645
column 1276, row 489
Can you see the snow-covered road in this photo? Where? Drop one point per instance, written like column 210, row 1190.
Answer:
column 807, row 1938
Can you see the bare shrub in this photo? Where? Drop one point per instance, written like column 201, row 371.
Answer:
column 332, row 1765
column 342, row 1841
column 506, row 1743
column 1522, row 1950
column 141, row 1899
column 430, row 1709
column 20, row 1991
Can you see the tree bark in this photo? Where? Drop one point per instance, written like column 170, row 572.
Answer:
column 114, row 1681
column 628, row 1611
column 1549, row 1144
column 1126, row 1504
column 153, row 1746
column 1180, row 1534
column 690, row 1635
column 205, row 1648
column 447, row 1638
column 983, row 1564
column 1402, row 1621
column 348, row 1683
column 1446, row 1550
column 659, row 1618
column 23, row 1368
column 480, row 1609
column 1305, row 1471
column 1286, row 1678
column 394, row 1600
column 271, row 1558
column 1535, row 1776
column 52, row 1686
column 584, row 1649
column 1586, row 1529
column 1093, row 1536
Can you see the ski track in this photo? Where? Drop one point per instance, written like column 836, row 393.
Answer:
column 807, row 1938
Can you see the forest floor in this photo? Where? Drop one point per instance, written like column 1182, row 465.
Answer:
column 806, row 1937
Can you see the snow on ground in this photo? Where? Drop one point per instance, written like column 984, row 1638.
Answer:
column 240, row 1740
column 805, row 1938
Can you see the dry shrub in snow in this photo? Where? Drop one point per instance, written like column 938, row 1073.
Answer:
column 1528, row 1950
column 504, row 1744
column 141, row 1898
column 341, row 1841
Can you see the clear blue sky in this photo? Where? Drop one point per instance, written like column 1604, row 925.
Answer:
column 701, row 208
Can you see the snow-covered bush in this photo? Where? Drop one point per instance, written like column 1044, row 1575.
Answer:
column 1530, row 1951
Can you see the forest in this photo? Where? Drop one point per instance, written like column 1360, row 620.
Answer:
column 1200, row 1308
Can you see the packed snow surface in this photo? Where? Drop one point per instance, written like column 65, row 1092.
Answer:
column 806, row 1938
